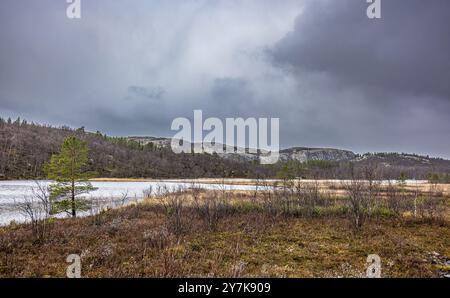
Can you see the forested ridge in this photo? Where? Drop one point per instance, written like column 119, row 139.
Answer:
column 26, row 147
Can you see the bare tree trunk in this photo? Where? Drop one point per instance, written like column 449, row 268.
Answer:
column 415, row 200
column 74, row 213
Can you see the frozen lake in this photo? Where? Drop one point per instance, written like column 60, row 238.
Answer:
column 109, row 194
column 13, row 193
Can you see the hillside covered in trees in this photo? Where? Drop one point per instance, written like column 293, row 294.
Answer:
column 26, row 147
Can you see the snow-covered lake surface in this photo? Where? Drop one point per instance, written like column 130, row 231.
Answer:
column 14, row 193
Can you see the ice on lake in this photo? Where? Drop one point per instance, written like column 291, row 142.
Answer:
column 13, row 193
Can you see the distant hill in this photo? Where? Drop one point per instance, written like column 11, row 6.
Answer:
column 412, row 165
column 333, row 163
column 301, row 154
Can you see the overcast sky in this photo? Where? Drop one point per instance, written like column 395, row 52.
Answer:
column 334, row 77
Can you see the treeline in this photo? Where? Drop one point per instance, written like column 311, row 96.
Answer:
column 26, row 147
column 436, row 171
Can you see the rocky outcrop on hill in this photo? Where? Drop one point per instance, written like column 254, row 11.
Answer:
column 156, row 141
column 303, row 154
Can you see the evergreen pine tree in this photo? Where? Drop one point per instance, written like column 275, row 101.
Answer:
column 67, row 169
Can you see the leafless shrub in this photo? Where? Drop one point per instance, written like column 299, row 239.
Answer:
column 257, row 187
column 270, row 199
column 309, row 197
column 373, row 188
column 431, row 207
column 123, row 198
column 294, row 199
column 285, row 197
column 37, row 210
column 196, row 191
column 211, row 208
column 433, row 204
column 148, row 192
column 394, row 199
column 174, row 205
column 359, row 201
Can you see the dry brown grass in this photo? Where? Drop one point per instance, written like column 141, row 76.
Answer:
column 136, row 241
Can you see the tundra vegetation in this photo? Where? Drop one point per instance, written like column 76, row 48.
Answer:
column 288, row 228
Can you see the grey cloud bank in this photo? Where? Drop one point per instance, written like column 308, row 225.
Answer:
column 332, row 76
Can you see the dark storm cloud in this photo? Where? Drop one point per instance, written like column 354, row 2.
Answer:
column 379, row 84
column 332, row 76
column 406, row 51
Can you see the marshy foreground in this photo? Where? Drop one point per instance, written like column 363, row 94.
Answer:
column 288, row 230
